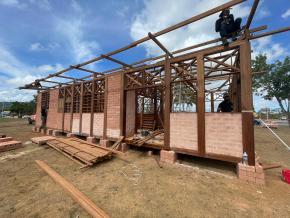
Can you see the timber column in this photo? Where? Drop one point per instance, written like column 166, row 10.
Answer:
column 167, row 104
column 247, row 101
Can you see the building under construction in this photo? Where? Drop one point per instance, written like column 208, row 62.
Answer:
column 173, row 97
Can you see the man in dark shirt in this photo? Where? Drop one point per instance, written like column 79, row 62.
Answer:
column 228, row 26
column 226, row 105
column 43, row 116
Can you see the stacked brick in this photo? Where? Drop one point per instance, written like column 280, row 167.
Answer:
column 113, row 106
column 7, row 144
column 52, row 115
column 38, row 111
column 183, row 130
column 252, row 174
column 223, row 134
column 168, row 156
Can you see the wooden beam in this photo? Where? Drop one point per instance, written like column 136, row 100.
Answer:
column 63, row 110
column 72, row 107
column 252, row 13
column 159, row 44
column 115, row 60
column 86, row 70
column 200, row 105
column 247, row 102
column 122, row 105
column 78, row 196
column 212, row 102
column 285, row 29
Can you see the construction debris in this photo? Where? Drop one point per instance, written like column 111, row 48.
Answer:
column 117, row 143
column 141, row 141
column 2, row 135
column 78, row 196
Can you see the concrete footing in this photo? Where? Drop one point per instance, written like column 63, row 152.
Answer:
column 168, row 156
column 124, row 147
column 56, row 133
column 70, row 135
column 34, row 129
column 104, row 143
column 91, row 139
column 43, row 131
column 49, row 131
column 252, row 174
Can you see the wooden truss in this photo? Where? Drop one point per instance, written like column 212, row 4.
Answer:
column 194, row 68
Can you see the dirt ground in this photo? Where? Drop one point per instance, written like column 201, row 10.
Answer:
column 194, row 188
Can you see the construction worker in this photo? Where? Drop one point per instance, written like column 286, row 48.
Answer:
column 226, row 105
column 228, row 26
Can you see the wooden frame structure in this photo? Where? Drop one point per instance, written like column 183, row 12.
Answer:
column 156, row 80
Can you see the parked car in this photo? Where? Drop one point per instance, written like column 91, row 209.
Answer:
column 31, row 119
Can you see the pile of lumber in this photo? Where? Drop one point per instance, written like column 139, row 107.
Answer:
column 142, row 141
column 8, row 143
column 80, row 151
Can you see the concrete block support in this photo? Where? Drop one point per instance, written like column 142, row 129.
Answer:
column 34, row 129
column 253, row 174
column 37, row 129
column 91, row 139
column 70, row 135
column 43, row 131
column 104, row 142
column 49, row 131
column 124, row 147
column 56, row 133
column 168, row 156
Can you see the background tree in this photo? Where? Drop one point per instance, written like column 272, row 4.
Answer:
column 273, row 81
column 23, row 108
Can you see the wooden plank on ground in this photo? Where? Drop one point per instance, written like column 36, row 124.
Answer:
column 78, row 196
column 6, row 139
column 42, row 139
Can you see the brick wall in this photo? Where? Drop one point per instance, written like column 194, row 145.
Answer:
column 183, row 130
column 113, row 106
column 130, row 113
column 52, row 115
column 98, row 124
column 86, row 120
column 76, row 123
column 38, row 111
column 223, row 134
column 67, row 122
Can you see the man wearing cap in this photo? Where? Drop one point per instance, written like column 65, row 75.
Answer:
column 228, row 26
column 226, row 105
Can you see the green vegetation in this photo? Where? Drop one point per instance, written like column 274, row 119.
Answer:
column 273, row 81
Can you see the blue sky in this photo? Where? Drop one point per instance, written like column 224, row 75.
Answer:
column 38, row 37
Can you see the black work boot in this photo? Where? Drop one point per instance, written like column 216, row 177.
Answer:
column 225, row 41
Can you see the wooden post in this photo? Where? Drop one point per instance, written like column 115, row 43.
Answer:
column 63, row 110
column 167, row 104
column 92, row 106
column 200, row 105
column 72, row 106
column 122, row 106
column 81, row 107
column 212, row 102
column 105, row 108
column 247, row 101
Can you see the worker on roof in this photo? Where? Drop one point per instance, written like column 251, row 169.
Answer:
column 226, row 105
column 228, row 26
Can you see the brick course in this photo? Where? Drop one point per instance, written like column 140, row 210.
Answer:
column 183, row 130
column 38, row 111
column 113, row 106
column 223, row 134
column 130, row 113
column 98, row 127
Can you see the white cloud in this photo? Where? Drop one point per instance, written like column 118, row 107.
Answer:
column 76, row 6
column 37, row 46
column 42, row 4
column 266, row 46
column 73, row 31
column 155, row 16
column 286, row 14
column 13, row 3
column 15, row 73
